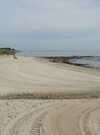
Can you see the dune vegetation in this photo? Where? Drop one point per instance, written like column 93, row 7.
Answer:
column 7, row 51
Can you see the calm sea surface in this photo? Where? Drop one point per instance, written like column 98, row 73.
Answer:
column 88, row 58
column 30, row 46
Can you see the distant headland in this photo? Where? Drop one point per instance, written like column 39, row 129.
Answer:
column 8, row 51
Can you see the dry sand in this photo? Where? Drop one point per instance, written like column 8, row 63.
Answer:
column 47, row 117
column 50, row 117
column 34, row 75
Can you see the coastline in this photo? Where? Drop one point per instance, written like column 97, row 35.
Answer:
column 39, row 97
column 72, row 60
column 31, row 76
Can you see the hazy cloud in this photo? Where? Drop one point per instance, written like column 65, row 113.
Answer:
column 49, row 15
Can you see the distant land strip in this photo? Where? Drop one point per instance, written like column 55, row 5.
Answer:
column 7, row 51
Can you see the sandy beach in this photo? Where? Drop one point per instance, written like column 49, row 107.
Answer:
column 39, row 117
column 53, row 116
column 27, row 75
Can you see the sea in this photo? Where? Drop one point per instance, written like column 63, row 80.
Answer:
column 87, row 59
column 88, row 49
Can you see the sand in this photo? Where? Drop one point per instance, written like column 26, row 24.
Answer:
column 77, row 117
column 27, row 75
column 48, row 117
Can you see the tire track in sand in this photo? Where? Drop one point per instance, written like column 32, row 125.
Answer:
column 37, row 124
column 73, row 121
column 30, row 123
column 85, row 126
column 25, row 117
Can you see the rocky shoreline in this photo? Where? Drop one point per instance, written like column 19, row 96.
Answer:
column 69, row 60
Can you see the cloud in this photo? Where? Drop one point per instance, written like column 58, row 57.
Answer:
column 49, row 15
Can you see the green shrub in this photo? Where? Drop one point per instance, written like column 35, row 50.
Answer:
column 7, row 51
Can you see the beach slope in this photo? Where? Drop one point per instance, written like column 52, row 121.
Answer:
column 34, row 75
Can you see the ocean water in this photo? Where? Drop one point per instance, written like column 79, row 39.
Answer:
column 30, row 46
column 59, row 53
column 92, row 61
column 85, row 58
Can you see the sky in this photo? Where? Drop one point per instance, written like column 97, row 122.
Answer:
column 70, row 19
column 49, row 15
